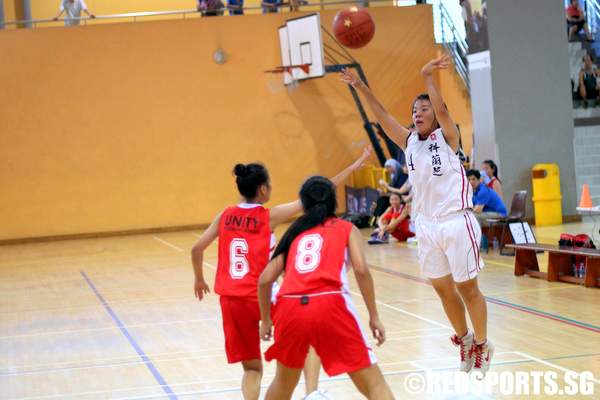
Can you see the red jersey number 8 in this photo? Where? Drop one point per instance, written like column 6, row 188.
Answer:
column 238, row 264
column 308, row 254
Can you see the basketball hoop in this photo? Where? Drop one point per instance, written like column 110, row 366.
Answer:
column 291, row 81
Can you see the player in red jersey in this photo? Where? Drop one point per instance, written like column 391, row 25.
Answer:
column 314, row 307
column 245, row 241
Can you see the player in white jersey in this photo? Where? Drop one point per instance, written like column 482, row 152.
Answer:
column 448, row 234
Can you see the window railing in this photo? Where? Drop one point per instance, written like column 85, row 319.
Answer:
column 183, row 14
column 593, row 15
column 455, row 45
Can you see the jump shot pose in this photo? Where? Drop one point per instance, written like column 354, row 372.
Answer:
column 448, row 233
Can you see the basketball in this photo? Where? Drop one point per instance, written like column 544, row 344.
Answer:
column 353, row 27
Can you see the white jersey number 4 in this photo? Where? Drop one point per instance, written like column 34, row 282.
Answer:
column 238, row 264
column 308, row 254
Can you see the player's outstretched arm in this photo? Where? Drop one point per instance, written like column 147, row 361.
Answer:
column 441, row 111
column 265, row 288
column 200, row 286
column 284, row 212
column 365, row 283
column 392, row 128
column 342, row 176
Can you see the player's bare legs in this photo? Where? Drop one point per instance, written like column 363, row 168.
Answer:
column 251, row 379
column 369, row 381
column 452, row 302
column 482, row 350
column 284, row 383
column 477, row 307
column 312, row 367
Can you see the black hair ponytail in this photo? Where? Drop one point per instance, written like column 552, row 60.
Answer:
column 493, row 167
column 318, row 198
column 249, row 177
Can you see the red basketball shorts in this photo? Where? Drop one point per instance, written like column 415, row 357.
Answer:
column 241, row 318
column 329, row 324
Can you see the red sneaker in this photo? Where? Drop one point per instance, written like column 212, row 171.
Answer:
column 465, row 344
column 482, row 356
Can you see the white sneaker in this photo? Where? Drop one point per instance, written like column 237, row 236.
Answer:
column 317, row 395
column 482, row 357
column 412, row 240
column 465, row 345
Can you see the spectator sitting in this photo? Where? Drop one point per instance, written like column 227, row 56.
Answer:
column 486, row 202
column 588, row 81
column 394, row 221
column 489, row 170
column 576, row 20
column 210, row 8
column 73, row 8
column 236, row 7
column 270, row 6
column 403, row 171
column 398, row 185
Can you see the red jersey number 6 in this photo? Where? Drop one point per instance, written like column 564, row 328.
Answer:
column 238, row 264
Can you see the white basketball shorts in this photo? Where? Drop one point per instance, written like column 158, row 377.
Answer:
column 449, row 245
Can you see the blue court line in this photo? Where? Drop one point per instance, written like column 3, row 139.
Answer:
column 346, row 377
column 159, row 378
column 503, row 303
column 544, row 314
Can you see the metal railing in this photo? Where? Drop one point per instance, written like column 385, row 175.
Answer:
column 135, row 16
column 455, row 45
column 593, row 14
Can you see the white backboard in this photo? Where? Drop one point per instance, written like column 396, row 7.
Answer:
column 301, row 43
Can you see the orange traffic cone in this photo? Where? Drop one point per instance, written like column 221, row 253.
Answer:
column 586, row 199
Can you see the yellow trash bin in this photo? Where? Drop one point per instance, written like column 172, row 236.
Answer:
column 368, row 176
column 547, row 199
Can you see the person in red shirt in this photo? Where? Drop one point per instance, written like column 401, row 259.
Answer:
column 491, row 170
column 395, row 221
column 314, row 305
column 245, row 242
column 576, row 20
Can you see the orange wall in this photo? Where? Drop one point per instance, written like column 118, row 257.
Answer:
column 133, row 126
column 9, row 10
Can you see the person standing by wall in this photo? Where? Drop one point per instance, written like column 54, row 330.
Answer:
column 73, row 9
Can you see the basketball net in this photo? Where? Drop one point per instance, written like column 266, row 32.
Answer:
column 274, row 77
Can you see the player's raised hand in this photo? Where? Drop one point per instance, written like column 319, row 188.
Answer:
column 200, row 289
column 378, row 330
column 266, row 329
column 442, row 62
column 351, row 79
column 363, row 157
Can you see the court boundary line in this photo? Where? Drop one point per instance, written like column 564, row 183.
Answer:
column 551, row 364
column 131, row 360
column 503, row 303
column 159, row 378
column 526, row 358
column 544, row 314
column 400, row 310
column 179, row 249
column 106, row 328
column 344, row 377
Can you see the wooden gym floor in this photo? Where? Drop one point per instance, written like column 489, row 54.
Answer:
column 116, row 318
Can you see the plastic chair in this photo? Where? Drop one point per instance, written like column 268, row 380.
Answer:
column 517, row 214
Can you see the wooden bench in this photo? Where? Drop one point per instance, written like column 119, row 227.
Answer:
column 559, row 263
